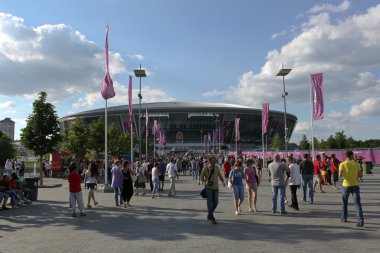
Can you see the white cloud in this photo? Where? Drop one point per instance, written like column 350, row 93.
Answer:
column 10, row 112
column 138, row 57
column 327, row 7
column 7, row 104
column 369, row 107
column 121, row 98
column 279, row 34
column 53, row 58
column 214, row 93
column 347, row 53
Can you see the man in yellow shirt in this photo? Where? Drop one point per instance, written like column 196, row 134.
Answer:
column 350, row 171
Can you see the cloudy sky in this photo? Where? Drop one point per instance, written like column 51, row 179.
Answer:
column 196, row 50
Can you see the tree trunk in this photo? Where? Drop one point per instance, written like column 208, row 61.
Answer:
column 41, row 171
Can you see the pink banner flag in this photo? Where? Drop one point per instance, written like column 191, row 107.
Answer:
column 265, row 117
column 155, row 127
column 146, row 122
column 130, row 100
column 317, row 95
column 107, row 90
column 237, row 129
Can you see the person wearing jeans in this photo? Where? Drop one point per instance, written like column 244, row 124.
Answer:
column 209, row 176
column 279, row 178
column 117, row 182
column 350, row 171
column 307, row 170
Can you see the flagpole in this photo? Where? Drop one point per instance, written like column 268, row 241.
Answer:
column 105, row 146
column 312, row 120
column 266, row 145
column 146, row 147
column 236, row 139
column 262, row 134
column 219, row 140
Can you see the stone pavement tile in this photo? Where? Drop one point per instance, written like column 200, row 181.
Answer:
column 178, row 224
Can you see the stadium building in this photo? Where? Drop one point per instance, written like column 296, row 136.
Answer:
column 196, row 127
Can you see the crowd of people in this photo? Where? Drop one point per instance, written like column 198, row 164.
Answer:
column 241, row 174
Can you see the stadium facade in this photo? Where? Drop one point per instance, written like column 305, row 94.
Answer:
column 186, row 125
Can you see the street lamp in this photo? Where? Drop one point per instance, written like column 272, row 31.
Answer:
column 283, row 72
column 140, row 73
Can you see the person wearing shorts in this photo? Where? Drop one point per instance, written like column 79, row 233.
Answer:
column 237, row 176
column 317, row 173
column 251, row 185
column 90, row 177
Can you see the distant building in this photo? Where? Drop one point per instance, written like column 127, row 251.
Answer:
column 7, row 127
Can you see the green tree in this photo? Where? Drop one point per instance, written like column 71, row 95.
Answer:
column 7, row 149
column 350, row 143
column 276, row 142
column 41, row 134
column 96, row 137
column 340, row 139
column 75, row 140
column 331, row 142
column 304, row 143
column 316, row 143
column 115, row 141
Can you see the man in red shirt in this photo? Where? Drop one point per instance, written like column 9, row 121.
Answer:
column 227, row 168
column 334, row 164
column 317, row 173
column 75, row 188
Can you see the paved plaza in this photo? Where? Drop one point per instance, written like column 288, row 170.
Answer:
column 179, row 224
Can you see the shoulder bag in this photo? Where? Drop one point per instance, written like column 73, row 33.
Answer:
column 203, row 192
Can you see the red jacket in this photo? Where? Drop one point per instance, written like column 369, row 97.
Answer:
column 75, row 181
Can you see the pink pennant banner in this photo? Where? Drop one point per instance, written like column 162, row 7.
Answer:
column 155, row 127
column 317, row 95
column 265, row 117
column 107, row 89
column 130, row 100
column 237, row 129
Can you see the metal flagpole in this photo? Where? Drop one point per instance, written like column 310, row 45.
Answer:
column 262, row 135
column 312, row 120
column 154, row 144
column 105, row 147
column 236, row 147
column 266, row 144
column 131, row 143
column 219, row 139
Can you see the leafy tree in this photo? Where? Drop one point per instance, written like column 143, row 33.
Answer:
column 276, row 142
column 115, row 141
column 316, row 143
column 340, row 139
column 304, row 143
column 41, row 134
column 75, row 140
column 96, row 137
column 7, row 149
column 331, row 142
column 350, row 143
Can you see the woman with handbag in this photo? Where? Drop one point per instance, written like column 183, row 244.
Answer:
column 141, row 179
column 252, row 183
column 127, row 172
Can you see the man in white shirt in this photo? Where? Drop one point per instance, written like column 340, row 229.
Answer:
column 173, row 174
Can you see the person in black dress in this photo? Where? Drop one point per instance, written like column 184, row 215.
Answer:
column 127, row 191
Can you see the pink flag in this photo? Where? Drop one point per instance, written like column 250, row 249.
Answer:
column 146, row 121
column 237, row 129
column 155, row 127
column 107, row 90
column 265, row 117
column 317, row 95
column 130, row 100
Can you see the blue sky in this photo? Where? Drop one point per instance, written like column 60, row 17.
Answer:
column 217, row 51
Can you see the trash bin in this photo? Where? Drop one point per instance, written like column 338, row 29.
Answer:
column 367, row 167
column 32, row 184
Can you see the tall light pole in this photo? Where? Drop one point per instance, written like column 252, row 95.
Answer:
column 140, row 73
column 283, row 72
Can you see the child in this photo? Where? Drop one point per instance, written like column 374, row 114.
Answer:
column 75, row 181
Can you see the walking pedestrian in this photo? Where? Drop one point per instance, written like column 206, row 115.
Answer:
column 117, row 182
column 294, row 181
column 318, row 165
column 350, row 171
column 155, row 180
column 236, row 178
column 90, row 178
column 307, row 170
column 173, row 174
column 141, row 179
column 209, row 176
column 279, row 177
column 252, row 183
column 334, row 163
column 162, row 171
column 75, row 188
column 127, row 190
